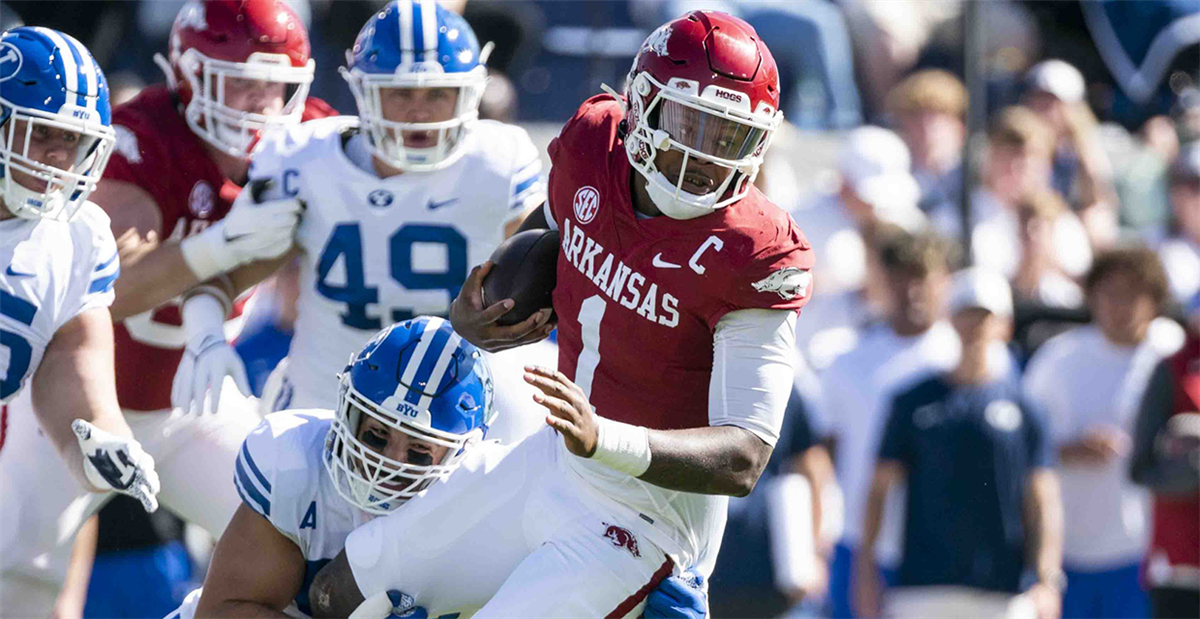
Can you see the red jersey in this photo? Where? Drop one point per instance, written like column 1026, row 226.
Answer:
column 638, row 299
column 157, row 151
column 1175, row 543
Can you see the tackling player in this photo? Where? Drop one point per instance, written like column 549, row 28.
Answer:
column 412, row 406
column 236, row 69
column 667, row 246
column 402, row 199
column 60, row 261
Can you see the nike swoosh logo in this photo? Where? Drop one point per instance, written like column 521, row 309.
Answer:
column 663, row 264
column 10, row 272
column 230, row 239
column 433, row 206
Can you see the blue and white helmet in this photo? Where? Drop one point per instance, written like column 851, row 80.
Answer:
column 418, row 377
column 416, row 44
column 49, row 81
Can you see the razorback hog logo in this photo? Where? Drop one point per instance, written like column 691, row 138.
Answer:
column 788, row 283
column 622, row 538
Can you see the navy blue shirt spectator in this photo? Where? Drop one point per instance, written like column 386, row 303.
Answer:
column 965, row 445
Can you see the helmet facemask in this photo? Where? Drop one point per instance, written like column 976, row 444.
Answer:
column 386, row 136
column 231, row 130
column 60, row 192
column 371, row 481
column 677, row 118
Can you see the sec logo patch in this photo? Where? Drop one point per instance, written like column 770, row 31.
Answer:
column 200, row 202
column 587, row 202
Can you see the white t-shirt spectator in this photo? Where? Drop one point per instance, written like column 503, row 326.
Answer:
column 1080, row 380
column 856, row 391
column 996, row 242
column 1181, row 258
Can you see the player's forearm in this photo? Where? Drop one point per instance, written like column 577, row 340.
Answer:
column 239, row 609
column 886, row 473
column 1045, row 516
column 73, row 596
column 250, row 275
column 150, row 279
column 715, row 460
column 76, row 381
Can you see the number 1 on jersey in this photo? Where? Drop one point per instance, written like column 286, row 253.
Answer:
column 591, row 312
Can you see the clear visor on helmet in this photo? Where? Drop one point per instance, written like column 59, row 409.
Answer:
column 368, row 479
column 416, row 122
column 235, row 102
column 709, row 134
column 50, row 164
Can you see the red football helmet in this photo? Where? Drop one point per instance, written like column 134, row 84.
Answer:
column 213, row 41
column 704, row 85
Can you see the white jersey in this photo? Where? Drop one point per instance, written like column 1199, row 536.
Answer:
column 379, row 251
column 280, row 475
column 53, row 271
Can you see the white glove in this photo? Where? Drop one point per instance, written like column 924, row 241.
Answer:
column 110, row 461
column 253, row 230
column 207, row 358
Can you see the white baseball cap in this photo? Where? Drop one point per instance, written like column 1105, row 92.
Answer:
column 875, row 162
column 1058, row 78
column 981, row 288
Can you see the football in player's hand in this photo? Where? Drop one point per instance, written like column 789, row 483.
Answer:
column 525, row 268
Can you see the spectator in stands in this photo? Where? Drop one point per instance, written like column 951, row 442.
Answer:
column 1018, row 163
column 1089, row 382
column 1055, row 91
column 811, row 45
column 1039, row 279
column 857, row 387
column 1166, row 459
column 772, row 555
column 984, row 515
column 1180, row 252
column 875, row 187
column 928, row 110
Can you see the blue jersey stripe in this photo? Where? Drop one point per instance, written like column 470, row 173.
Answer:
column 425, row 370
column 105, row 283
column 249, row 492
column 526, row 184
column 17, row 308
column 105, row 264
column 418, row 31
column 257, row 473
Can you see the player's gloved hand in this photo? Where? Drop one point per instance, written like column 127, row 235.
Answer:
column 388, row 605
column 207, row 358
column 678, row 597
column 477, row 324
column 111, row 461
column 254, row 229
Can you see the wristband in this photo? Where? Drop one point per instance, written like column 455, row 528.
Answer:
column 212, row 289
column 622, row 447
column 206, row 254
column 203, row 314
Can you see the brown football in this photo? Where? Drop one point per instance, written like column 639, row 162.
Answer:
column 525, row 270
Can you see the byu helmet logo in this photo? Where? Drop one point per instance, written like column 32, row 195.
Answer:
column 10, row 61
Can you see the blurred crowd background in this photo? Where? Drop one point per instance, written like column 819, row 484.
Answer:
column 1053, row 146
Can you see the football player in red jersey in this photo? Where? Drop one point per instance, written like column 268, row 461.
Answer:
column 235, row 70
column 677, row 295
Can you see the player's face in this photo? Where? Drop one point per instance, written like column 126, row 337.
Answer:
column 702, row 177
column 396, row 445
column 418, row 105
column 254, row 96
column 1123, row 307
column 50, row 146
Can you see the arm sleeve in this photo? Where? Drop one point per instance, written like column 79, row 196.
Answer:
column 1145, row 467
column 1041, row 453
column 753, row 371
column 254, row 471
column 526, row 188
column 894, row 443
